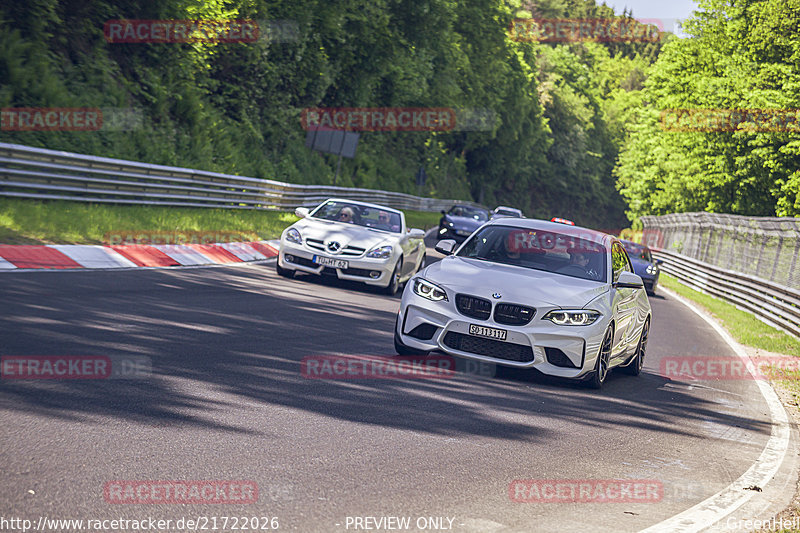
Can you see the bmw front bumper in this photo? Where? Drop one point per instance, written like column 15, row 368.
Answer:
column 563, row 351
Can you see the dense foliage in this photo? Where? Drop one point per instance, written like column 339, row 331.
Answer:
column 742, row 54
column 559, row 109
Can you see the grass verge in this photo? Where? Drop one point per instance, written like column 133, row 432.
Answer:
column 59, row 222
column 422, row 219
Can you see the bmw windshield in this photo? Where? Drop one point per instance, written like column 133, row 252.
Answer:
column 558, row 253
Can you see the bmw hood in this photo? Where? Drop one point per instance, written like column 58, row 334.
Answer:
column 516, row 284
column 344, row 234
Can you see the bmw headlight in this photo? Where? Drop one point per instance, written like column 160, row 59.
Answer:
column 431, row 291
column 380, row 253
column 294, row 236
column 578, row 317
column 652, row 269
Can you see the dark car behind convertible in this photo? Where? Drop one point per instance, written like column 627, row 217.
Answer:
column 460, row 221
column 643, row 264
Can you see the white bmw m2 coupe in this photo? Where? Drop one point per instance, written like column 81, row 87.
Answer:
column 528, row 293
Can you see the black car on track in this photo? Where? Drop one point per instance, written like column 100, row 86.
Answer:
column 460, row 221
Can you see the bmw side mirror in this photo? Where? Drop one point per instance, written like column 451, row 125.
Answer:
column 628, row 280
column 446, row 246
column 301, row 212
column 659, row 261
column 443, row 212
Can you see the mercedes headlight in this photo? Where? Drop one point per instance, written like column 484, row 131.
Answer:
column 292, row 235
column 578, row 317
column 380, row 253
column 431, row 291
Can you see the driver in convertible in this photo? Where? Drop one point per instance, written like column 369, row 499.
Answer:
column 347, row 215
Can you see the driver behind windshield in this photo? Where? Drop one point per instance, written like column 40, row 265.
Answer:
column 579, row 259
column 503, row 253
column 347, row 215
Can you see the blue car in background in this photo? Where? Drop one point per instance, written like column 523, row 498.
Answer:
column 460, row 221
column 643, row 264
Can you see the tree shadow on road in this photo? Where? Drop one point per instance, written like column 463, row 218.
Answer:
column 242, row 333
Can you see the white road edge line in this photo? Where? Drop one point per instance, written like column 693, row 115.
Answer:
column 726, row 501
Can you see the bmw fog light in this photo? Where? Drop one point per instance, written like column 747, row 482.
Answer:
column 374, row 274
column 288, row 258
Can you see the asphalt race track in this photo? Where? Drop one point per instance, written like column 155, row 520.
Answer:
column 226, row 400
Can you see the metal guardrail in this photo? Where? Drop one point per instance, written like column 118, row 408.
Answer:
column 775, row 304
column 27, row 172
column 763, row 247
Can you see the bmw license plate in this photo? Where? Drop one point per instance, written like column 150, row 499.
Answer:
column 329, row 261
column 490, row 333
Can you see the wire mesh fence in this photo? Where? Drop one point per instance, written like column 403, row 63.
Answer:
column 762, row 247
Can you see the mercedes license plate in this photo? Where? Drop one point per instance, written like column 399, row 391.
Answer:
column 330, row 262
